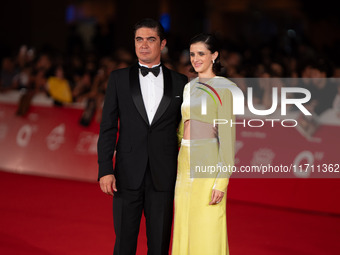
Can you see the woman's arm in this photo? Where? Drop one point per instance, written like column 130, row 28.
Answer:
column 226, row 137
column 180, row 132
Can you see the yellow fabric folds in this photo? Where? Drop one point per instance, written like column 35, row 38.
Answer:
column 200, row 228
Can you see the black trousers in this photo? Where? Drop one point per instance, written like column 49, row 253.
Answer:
column 128, row 206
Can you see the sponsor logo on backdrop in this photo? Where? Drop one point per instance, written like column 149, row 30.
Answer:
column 262, row 156
column 56, row 137
column 87, row 143
column 25, row 134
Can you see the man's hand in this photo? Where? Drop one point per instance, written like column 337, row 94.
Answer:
column 108, row 184
column 216, row 197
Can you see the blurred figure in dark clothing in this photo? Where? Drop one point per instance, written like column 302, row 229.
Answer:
column 323, row 90
column 40, row 71
column 8, row 72
column 95, row 97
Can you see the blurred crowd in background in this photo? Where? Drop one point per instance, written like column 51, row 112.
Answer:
column 82, row 77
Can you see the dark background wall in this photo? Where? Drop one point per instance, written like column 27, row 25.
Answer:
column 41, row 23
column 34, row 22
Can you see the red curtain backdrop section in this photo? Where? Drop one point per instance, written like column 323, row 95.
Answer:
column 49, row 141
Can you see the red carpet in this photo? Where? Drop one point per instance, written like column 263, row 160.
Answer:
column 53, row 216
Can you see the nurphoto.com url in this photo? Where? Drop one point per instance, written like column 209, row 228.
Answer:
column 333, row 169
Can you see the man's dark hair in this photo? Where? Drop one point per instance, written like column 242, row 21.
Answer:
column 150, row 23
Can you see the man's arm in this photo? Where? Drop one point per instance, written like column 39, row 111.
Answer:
column 108, row 137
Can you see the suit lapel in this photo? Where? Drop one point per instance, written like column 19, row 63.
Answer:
column 163, row 105
column 136, row 92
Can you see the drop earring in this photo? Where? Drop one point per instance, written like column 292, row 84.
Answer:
column 213, row 61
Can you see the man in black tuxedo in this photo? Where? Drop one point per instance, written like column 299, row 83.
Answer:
column 146, row 98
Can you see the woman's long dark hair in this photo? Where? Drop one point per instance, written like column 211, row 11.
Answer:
column 212, row 45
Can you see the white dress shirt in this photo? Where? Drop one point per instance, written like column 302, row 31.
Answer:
column 152, row 91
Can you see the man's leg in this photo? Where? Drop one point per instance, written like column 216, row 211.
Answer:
column 158, row 210
column 127, row 212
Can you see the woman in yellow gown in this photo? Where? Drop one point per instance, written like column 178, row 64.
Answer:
column 206, row 156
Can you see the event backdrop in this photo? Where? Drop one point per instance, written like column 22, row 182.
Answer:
column 49, row 141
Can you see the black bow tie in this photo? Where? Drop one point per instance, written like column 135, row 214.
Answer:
column 145, row 70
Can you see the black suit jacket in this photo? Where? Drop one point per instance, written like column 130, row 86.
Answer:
column 139, row 141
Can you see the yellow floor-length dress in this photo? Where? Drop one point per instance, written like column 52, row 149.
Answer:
column 200, row 228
